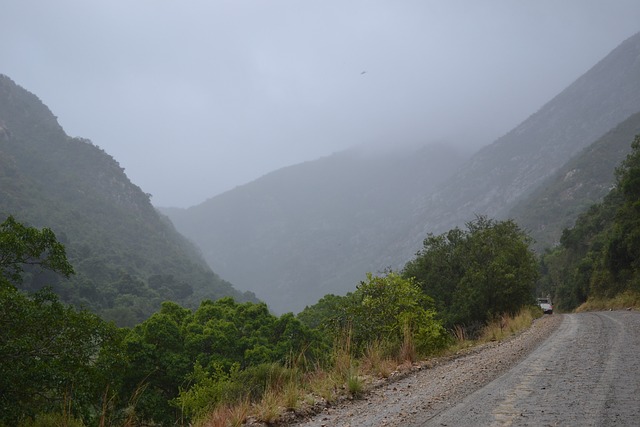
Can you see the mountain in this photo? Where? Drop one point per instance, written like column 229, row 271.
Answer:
column 504, row 172
column 301, row 232
column 128, row 258
column 583, row 181
column 317, row 228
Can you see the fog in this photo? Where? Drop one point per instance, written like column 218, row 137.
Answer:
column 194, row 98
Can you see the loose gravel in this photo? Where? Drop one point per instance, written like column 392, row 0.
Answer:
column 435, row 385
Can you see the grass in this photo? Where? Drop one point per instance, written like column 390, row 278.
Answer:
column 623, row 301
column 376, row 361
column 505, row 326
column 269, row 408
column 348, row 377
column 228, row 415
column 355, row 385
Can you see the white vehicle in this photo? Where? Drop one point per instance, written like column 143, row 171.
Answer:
column 545, row 305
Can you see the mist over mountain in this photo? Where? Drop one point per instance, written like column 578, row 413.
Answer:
column 318, row 227
column 128, row 258
column 301, row 232
column 499, row 175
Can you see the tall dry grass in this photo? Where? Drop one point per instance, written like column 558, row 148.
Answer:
column 624, row 301
column 505, row 326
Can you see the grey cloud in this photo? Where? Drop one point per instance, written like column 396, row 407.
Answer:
column 194, row 98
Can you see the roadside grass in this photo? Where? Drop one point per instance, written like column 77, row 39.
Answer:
column 349, row 377
column 624, row 301
column 505, row 326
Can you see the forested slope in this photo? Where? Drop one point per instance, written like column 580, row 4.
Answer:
column 583, row 181
column 599, row 257
column 128, row 258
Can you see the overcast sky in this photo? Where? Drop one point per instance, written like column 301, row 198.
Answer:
column 196, row 97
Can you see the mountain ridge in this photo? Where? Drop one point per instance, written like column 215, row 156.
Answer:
column 340, row 209
column 127, row 256
column 516, row 163
column 290, row 273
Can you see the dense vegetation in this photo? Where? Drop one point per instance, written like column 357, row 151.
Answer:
column 180, row 363
column 62, row 360
column 600, row 256
column 476, row 274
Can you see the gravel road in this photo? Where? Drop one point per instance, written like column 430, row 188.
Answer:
column 586, row 374
column 576, row 369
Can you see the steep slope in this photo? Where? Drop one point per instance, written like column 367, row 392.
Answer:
column 583, row 181
column 128, row 258
column 314, row 228
column 502, row 173
column 281, row 238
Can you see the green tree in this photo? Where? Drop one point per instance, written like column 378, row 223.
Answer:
column 22, row 246
column 478, row 273
column 622, row 255
column 599, row 256
column 390, row 309
column 51, row 354
column 500, row 272
column 439, row 267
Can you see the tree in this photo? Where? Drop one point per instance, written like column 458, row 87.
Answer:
column 622, row 256
column 21, row 245
column 500, row 271
column 600, row 256
column 52, row 355
column 390, row 309
column 478, row 273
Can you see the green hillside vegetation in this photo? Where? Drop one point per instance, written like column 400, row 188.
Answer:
column 476, row 274
column 599, row 258
column 128, row 258
column 583, row 181
column 67, row 366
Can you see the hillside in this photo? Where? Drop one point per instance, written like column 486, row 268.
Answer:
column 301, row 232
column 128, row 257
column 502, row 173
column 583, row 181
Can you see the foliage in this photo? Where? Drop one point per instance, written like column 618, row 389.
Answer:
column 599, row 257
column 21, row 245
column 476, row 274
column 384, row 306
column 50, row 354
column 198, row 359
column 379, row 311
column 61, row 362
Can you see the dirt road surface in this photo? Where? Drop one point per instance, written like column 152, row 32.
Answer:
column 567, row 370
